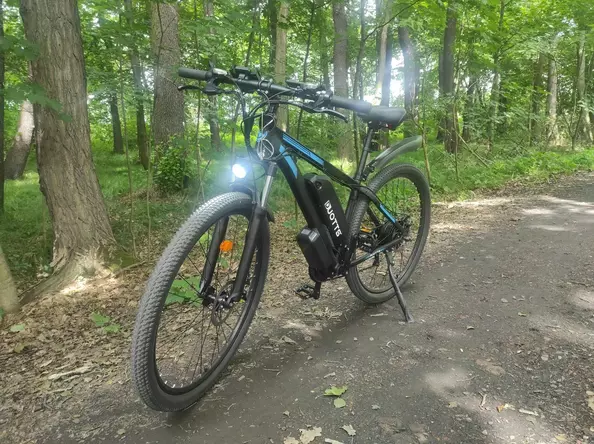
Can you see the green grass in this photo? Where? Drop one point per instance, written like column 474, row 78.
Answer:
column 25, row 228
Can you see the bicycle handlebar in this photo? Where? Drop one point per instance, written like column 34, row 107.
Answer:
column 246, row 85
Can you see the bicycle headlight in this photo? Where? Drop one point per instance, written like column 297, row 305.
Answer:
column 239, row 171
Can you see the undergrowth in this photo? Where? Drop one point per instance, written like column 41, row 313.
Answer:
column 26, row 234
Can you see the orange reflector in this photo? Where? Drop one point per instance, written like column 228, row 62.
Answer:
column 226, row 246
column 365, row 230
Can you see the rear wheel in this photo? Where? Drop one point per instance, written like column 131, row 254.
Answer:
column 404, row 190
column 188, row 328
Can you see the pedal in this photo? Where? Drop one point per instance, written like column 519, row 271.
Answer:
column 306, row 291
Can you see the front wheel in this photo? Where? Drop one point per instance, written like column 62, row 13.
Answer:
column 188, row 325
column 404, row 190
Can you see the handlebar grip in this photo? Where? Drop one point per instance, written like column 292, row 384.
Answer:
column 195, row 74
column 359, row 106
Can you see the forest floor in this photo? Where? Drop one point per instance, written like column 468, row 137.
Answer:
column 501, row 350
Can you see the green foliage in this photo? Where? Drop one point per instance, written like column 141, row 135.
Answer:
column 335, row 391
column 17, row 328
column 105, row 322
column 183, row 291
column 174, row 167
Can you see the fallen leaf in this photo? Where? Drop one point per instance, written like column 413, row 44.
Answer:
column 561, row 438
column 375, row 407
column 528, row 412
column 332, row 441
column 17, row 327
column 339, row 403
column 490, row 367
column 502, row 407
column 453, row 404
column 469, row 327
column 121, row 431
column 505, row 301
column 286, row 413
column 308, row 435
column 329, row 374
column 19, row 347
column 349, row 429
column 335, row 391
column 590, row 399
column 522, row 314
column 290, row 440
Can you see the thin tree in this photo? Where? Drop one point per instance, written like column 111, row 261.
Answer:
column 212, row 112
column 537, row 88
column 141, row 134
column 495, row 88
column 411, row 74
column 280, row 66
column 584, row 127
column 116, row 125
column 66, row 173
column 1, row 110
column 552, row 131
column 345, row 148
column 447, row 78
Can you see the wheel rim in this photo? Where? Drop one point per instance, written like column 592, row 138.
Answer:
column 196, row 329
column 402, row 197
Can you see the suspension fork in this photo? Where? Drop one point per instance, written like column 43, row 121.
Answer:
column 213, row 253
column 258, row 215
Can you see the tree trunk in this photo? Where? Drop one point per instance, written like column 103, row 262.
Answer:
column 141, row 135
column 537, row 87
column 384, row 34
column 66, row 173
column 585, row 128
column 494, row 99
column 469, row 108
column 254, row 6
column 212, row 114
column 116, row 125
column 8, row 293
column 272, row 19
column 387, row 74
column 16, row 158
column 341, row 88
column 324, row 59
column 411, row 75
column 551, row 110
column 312, row 15
column 280, row 66
column 168, row 113
column 2, row 69
column 447, row 72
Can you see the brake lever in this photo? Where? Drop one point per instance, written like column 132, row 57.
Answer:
column 332, row 113
column 186, row 87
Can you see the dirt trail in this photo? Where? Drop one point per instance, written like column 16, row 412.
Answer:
column 502, row 350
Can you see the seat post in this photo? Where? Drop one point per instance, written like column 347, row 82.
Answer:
column 364, row 153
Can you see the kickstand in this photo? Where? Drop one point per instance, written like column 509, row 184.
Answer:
column 399, row 295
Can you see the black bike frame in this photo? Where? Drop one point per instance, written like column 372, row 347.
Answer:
column 285, row 147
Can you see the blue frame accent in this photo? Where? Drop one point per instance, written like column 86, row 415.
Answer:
column 289, row 160
column 386, row 213
column 302, row 149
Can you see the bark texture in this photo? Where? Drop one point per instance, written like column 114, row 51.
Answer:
column 450, row 137
column 280, row 66
column 411, row 75
column 66, row 172
column 2, row 68
column 584, row 127
column 16, row 158
column 212, row 111
column 345, row 148
column 537, row 94
column 552, row 131
column 8, row 293
column 116, row 125
column 168, row 113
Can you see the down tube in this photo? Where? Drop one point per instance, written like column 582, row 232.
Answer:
column 297, row 184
